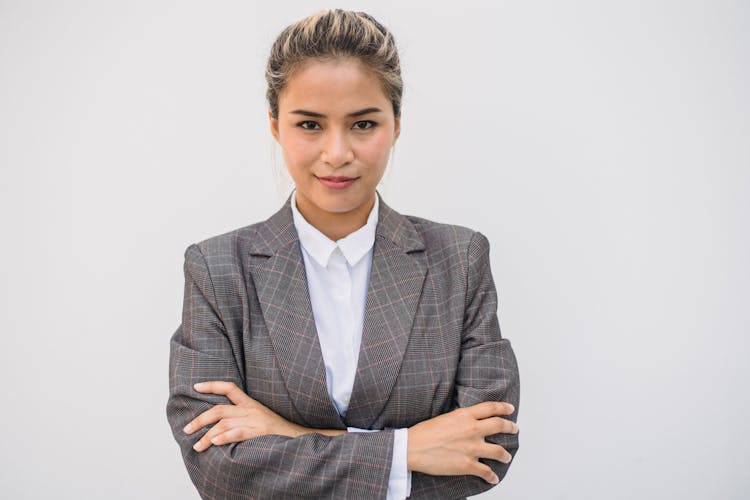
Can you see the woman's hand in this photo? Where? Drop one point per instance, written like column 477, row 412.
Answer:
column 451, row 443
column 243, row 420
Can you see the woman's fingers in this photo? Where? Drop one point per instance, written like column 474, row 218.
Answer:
column 495, row 452
column 234, row 435
column 490, row 409
column 226, row 424
column 228, row 389
column 484, row 471
column 213, row 415
column 496, row 425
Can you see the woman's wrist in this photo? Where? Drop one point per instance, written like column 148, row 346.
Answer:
column 300, row 430
column 411, row 455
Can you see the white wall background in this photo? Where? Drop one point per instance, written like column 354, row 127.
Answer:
column 603, row 148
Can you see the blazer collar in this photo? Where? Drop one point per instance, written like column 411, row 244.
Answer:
column 398, row 271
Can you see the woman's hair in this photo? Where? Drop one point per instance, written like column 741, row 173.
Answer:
column 335, row 34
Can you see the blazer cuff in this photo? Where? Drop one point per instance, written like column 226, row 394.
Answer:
column 399, row 482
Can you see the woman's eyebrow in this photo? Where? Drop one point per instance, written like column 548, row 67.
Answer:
column 319, row 115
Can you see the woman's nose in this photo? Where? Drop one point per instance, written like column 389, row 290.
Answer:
column 336, row 149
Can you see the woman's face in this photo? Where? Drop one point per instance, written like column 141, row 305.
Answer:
column 335, row 121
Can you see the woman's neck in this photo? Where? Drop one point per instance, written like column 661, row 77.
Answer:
column 335, row 225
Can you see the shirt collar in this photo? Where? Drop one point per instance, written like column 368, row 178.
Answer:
column 354, row 246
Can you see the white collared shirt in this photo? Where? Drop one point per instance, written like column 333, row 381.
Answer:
column 338, row 274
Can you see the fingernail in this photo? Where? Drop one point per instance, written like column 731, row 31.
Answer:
column 197, row 446
column 199, row 385
column 495, row 479
column 512, row 408
column 215, row 440
column 508, row 458
column 186, row 428
column 515, row 428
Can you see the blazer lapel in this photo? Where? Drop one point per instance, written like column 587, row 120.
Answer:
column 399, row 266
column 394, row 288
column 278, row 272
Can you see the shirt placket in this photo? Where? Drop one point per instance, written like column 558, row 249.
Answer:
column 342, row 293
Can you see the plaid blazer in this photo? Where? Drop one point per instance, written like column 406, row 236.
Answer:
column 430, row 343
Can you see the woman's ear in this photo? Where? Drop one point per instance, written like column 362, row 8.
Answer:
column 274, row 123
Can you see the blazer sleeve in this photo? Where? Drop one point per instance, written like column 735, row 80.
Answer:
column 487, row 371
column 351, row 465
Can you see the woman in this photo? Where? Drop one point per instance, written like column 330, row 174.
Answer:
column 340, row 349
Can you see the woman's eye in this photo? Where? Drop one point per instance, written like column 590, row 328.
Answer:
column 313, row 125
column 307, row 125
column 364, row 124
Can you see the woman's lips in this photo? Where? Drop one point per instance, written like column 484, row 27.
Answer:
column 337, row 182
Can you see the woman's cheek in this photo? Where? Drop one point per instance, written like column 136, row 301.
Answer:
column 377, row 150
column 300, row 157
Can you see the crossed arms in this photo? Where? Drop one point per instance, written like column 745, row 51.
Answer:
column 453, row 455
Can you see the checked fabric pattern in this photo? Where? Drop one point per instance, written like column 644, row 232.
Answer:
column 431, row 342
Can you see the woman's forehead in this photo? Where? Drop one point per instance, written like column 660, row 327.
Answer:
column 343, row 86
